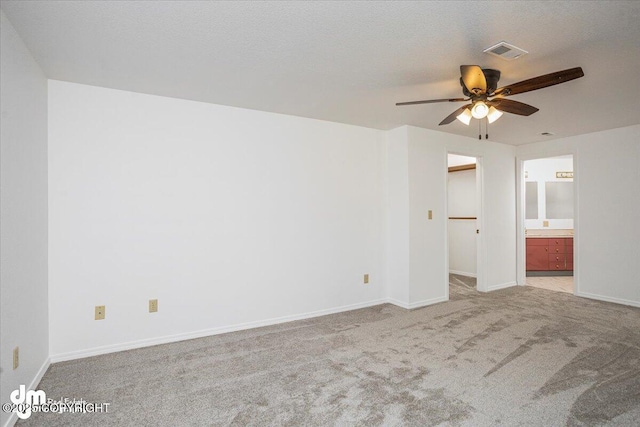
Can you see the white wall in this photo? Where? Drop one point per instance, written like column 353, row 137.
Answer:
column 428, row 168
column 23, row 201
column 607, row 236
column 426, row 164
column 229, row 217
column 461, row 201
column 397, row 256
column 542, row 171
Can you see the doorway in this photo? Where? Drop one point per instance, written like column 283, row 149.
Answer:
column 464, row 203
column 549, row 223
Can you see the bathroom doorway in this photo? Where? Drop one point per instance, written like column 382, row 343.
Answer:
column 549, row 223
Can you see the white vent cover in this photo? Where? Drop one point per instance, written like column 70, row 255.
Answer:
column 506, row 51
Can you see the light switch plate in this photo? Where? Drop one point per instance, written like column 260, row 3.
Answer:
column 100, row 312
column 16, row 357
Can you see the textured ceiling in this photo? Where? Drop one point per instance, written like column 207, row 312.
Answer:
column 348, row 62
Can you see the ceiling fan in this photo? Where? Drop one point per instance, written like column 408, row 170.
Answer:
column 480, row 87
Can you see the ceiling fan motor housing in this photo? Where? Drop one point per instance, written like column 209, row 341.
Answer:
column 491, row 76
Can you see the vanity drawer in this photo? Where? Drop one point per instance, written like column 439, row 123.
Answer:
column 557, row 242
column 557, row 258
column 557, row 262
column 557, row 266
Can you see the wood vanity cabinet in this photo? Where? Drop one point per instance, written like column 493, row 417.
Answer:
column 549, row 254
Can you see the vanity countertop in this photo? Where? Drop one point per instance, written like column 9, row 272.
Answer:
column 548, row 233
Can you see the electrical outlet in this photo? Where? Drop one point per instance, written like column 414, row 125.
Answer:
column 366, row 279
column 153, row 305
column 16, row 357
column 100, row 312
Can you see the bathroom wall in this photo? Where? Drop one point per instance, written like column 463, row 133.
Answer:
column 541, row 171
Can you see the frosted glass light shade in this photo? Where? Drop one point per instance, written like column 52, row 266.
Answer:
column 479, row 110
column 465, row 116
column 494, row 114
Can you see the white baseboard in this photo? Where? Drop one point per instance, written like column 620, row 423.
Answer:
column 608, row 299
column 427, row 302
column 463, row 273
column 417, row 304
column 96, row 351
column 501, row 286
column 13, row 418
column 399, row 303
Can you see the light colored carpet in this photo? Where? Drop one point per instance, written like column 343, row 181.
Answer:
column 513, row 357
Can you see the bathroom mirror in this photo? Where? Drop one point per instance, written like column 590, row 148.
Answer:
column 559, row 200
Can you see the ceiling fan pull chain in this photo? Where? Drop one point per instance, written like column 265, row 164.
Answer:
column 486, row 128
column 480, row 130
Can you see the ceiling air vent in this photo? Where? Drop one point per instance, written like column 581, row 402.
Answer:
column 505, row 51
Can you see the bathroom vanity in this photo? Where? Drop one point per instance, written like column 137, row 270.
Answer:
column 550, row 251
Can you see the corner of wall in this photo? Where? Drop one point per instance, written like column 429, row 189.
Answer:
column 24, row 205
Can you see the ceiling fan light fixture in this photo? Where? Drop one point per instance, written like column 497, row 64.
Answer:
column 465, row 116
column 494, row 114
column 479, row 110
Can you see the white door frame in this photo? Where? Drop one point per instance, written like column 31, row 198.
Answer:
column 481, row 280
column 520, row 213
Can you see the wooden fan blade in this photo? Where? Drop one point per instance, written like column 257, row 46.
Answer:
column 431, row 101
column 473, row 78
column 513, row 107
column 541, row 82
column 451, row 117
